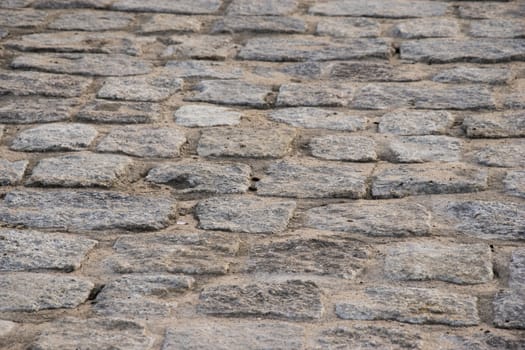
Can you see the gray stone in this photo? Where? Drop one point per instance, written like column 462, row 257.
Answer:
column 246, row 142
column 11, row 173
column 430, row 148
column 34, row 83
column 368, row 71
column 166, row 22
column 390, row 218
column 210, row 47
column 316, row 94
column 313, row 118
column 505, row 154
column 407, row 122
column 515, row 183
column 100, row 111
column 427, row 28
column 81, row 170
column 142, row 88
column 85, row 210
column 497, row 28
column 485, row 75
column 410, row 305
column 301, row 178
column 348, row 27
column 291, row 299
column 39, row 110
column 30, row 292
column 264, row 24
column 203, row 69
column 482, row 10
column 22, row 250
column 514, row 98
column 455, row 263
column 509, row 309
column 203, row 115
column 14, row 3
column 262, row 7
column 55, row 137
column 3, row 33
column 245, row 214
column 510, row 124
column 143, row 141
column 22, row 18
column 517, row 269
column 380, row 8
column 459, row 50
column 342, row 147
column 232, row 92
column 396, row 181
column 193, row 7
column 302, row 70
column 6, row 327
column 91, row 20
column 479, row 341
column 70, row 4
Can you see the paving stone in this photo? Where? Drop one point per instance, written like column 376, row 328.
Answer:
column 510, row 124
column 302, row 70
column 73, row 4
column 348, row 27
column 85, row 210
column 311, row 48
column 11, row 173
column 342, row 147
column 24, row 250
column 211, row 47
column 481, row 341
column 6, row 327
column 380, row 8
column 391, row 218
column 166, row 22
column 459, row 50
column 189, row 176
column 30, row 292
column 312, row 95
column 313, row 118
column 203, row 115
column 482, row 10
column 174, row 252
column 314, row 179
column 246, row 142
column 396, row 181
column 420, row 149
column 91, row 20
column 262, row 7
column 515, row 183
column 34, row 83
column 141, row 88
column 14, row 3
column 39, row 110
column 232, row 92
column 143, row 141
column 505, row 154
column 203, row 69
column 457, row 263
column 407, row 122
column 22, row 18
column 485, row 75
column 515, row 99
column 84, row 64
column 55, row 137
column 508, row 309
column 427, row 28
column 410, row 305
column 264, row 24
column 517, row 269
column 371, row 71
column 497, row 28
column 245, row 214
column 100, row 111
column 193, row 7
column 291, row 299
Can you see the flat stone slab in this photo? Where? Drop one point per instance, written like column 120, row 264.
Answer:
column 142, row 88
column 485, row 75
column 501, row 125
column 11, row 173
column 346, row 148
column 70, row 4
column 232, row 92
column 262, row 7
column 209, row 47
column 497, row 28
column 369, row 71
column 426, row 28
column 23, row 250
column 348, row 27
column 203, row 116
column 262, row 24
column 191, row 7
column 318, row 118
column 410, row 305
column 92, row 20
column 245, row 214
column 85, row 210
column 388, row 218
column 507, row 154
column 34, row 83
column 39, row 110
column 203, row 69
column 21, row 18
column 421, row 149
column 313, row 94
column 508, row 309
column 292, row 299
column 380, row 8
column 487, row 10
column 30, row 292
column 55, row 137
column 517, row 269
column 167, row 22
column 407, row 122
column 101, row 111
column 514, row 183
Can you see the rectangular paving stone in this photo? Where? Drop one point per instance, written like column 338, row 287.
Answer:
column 348, row 27
column 87, row 20
column 204, row 115
column 409, row 122
column 34, row 83
column 203, row 69
column 101, row 111
column 11, row 173
column 262, row 24
column 508, row 309
column 497, row 28
column 166, row 22
column 141, row 88
column 368, row 71
column 317, row 94
column 487, row 10
column 517, row 269
column 410, row 305
column 428, row 148
column 209, row 47
column 319, row 118
column 426, row 28
column 380, row 8
column 507, row 153
column 36, row 110
column 485, row 75
column 342, row 147
column 262, row 7
column 55, row 137
column 501, row 125
column 22, row 18
column 191, row 7
column 232, row 92
column 73, row 4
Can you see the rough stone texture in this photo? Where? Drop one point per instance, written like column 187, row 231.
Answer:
column 165, row 22
column 515, row 183
column 3, row 33
column 40, row 110
column 406, row 122
column 498, row 28
column 15, row 3
column 482, row 10
column 517, row 269
column 55, row 137
column 380, row 8
column 292, row 299
column 145, row 89
column 515, row 99
column 34, row 83
column 313, row 118
column 323, row 95
column 262, row 7
column 264, row 24
column 486, row 75
column 342, row 147
column 11, row 173
column 70, row 4
column 203, row 69
column 211, row 47
column 368, row 71
column 509, row 124
column 22, row 250
column 182, row 6
column 22, row 18
column 420, row 149
column 427, row 28
column 348, row 27
column 232, row 92
column 410, row 305
column 100, row 111
column 245, row 214
column 92, row 21
column 509, row 307
column 482, row 341
column 504, row 154
column 203, row 115
column 6, row 327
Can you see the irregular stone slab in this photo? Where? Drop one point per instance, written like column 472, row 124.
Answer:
column 22, row 18
column 202, row 116
column 180, row 252
column 141, row 141
column 23, row 250
column 246, row 143
column 311, row 48
column 203, row 69
column 430, row 148
column 232, row 92
column 11, row 173
column 73, row 4
column 245, row 214
column 292, row 299
column 80, row 170
column 505, row 154
column 262, row 7
column 497, row 28
column 100, row 111
column 510, row 124
column 91, row 20
column 142, row 88
column 373, row 218
column 368, row 71
column 84, row 64
column 314, row 179
column 457, row 263
column 30, row 292
column 460, row 50
column 34, row 83
column 484, row 75
column 85, row 210
column 348, row 27
column 39, row 110
column 54, row 138
column 427, row 28
column 191, row 7
column 265, row 24
column 515, row 183
column 210, row 47
column 165, row 22
column 407, row 122
column 380, row 8
column 313, row 118
column 410, row 305
column 517, row 269
column 6, row 327
column 486, row 10
column 342, row 147
column 508, row 309
column 318, row 94
column 396, row 181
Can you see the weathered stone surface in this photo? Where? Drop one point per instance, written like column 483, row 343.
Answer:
column 22, row 18
column 510, row 124
column 314, row 179
column 143, row 141
column 22, row 250
column 39, row 110
column 348, row 27
column 292, row 299
column 342, row 147
column 245, row 214
column 426, row 28
column 29, row 292
column 165, row 22
column 486, row 75
column 515, row 183
column 509, row 309
column 55, row 137
column 497, row 28
column 372, row 218
column 85, row 210
column 232, row 92
column 193, row 7
column 407, row 122
column 211, row 47
column 3, row 33
column 246, row 142
column 100, row 111
column 189, row 176
column 504, row 154
column 312, row 118
column 265, row 24
column 482, row 341
column 34, row 83
column 396, row 181
column 459, row 50
column 262, row 7
column 6, row 327
column 380, row 8
column 410, row 305
column 515, row 99
column 11, row 173
column 317, row 94
column 368, row 71
column 517, row 269
column 301, row 70
column 14, row 3
column 482, row 10
column 455, row 263
column 70, row 4
column 430, row 148
column 142, row 88
column 203, row 115
column 203, row 69
column 91, row 20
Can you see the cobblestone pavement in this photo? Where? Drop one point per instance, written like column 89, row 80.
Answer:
column 262, row 174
